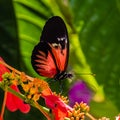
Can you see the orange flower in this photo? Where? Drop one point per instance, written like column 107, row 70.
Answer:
column 36, row 88
column 58, row 107
column 13, row 103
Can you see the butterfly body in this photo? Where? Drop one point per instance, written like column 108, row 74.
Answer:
column 50, row 55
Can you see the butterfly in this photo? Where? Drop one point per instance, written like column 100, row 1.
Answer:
column 50, row 56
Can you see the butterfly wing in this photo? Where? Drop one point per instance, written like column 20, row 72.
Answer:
column 42, row 60
column 55, row 33
column 50, row 56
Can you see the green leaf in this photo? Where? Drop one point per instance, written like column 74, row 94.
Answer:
column 99, row 37
column 104, row 109
column 9, row 46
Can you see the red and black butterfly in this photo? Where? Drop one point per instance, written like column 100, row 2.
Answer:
column 50, row 56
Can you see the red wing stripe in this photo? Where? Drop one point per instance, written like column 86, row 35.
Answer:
column 45, row 65
column 60, row 57
column 41, row 53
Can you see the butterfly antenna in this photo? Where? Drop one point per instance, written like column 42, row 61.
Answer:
column 92, row 74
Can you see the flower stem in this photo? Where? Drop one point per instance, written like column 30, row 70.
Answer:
column 90, row 116
column 3, row 105
column 39, row 107
column 15, row 70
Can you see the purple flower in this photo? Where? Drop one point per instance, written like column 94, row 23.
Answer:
column 79, row 92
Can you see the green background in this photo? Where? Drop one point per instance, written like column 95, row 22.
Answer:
column 94, row 33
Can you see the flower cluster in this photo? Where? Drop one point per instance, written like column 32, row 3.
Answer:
column 57, row 107
column 79, row 111
column 33, row 89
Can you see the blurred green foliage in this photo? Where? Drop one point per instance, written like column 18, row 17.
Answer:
column 94, row 45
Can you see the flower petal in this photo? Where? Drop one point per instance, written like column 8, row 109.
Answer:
column 10, row 103
column 23, row 107
column 58, row 107
column 79, row 92
column 3, row 69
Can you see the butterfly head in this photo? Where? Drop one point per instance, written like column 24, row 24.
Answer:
column 63, row 75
